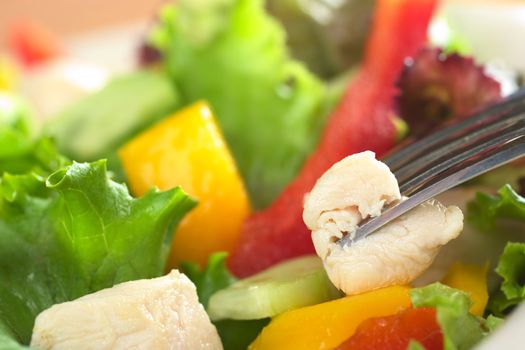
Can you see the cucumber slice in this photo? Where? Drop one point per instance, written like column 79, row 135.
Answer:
column 286, row 286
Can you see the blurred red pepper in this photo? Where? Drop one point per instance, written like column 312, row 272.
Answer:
column 362, row 121
column 32, row 43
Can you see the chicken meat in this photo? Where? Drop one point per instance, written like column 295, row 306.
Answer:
column 160, row 313
column 354, row 189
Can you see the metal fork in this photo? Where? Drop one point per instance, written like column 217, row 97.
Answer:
column 452, row 156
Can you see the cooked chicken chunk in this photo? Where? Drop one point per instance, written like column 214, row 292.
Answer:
column 160, row 313
column 359, row 187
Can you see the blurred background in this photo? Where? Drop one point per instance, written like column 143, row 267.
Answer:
column 99, row 31
column 67, row 18
column 102, row 38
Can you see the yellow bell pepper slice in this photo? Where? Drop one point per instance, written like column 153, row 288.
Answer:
column 471, row 279
column 8, row 74
column 188, row 150
column 326, row 325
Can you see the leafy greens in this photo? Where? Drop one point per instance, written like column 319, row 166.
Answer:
column 7, row 340
column 15, row 126
column 461, row 330
column 511, row 268
column 436, row 87
column 19, row 153
column 328, row 38
column 235, row 335
column 210, row 280
column 485, row 210
column 73, row 233
column 233, row 54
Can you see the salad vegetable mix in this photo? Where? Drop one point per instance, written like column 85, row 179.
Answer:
column 238, row 152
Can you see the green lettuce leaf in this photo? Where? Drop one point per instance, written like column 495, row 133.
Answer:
column 485, row 210
column 20, row 152
column 7, row 341
column 96, row 126
column 74, row 233
column 500, row 305
column 415, row 345
column 461, row 330
column 492, row 323
column 41, row 156
column 16, row 126
column 211, row 279
column 233, row 54
column 327, row 36
column 511, row 267
column 238, row 335
column 235, row 335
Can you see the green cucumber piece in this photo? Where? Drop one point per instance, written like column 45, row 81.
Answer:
column 286, row 286
column 96, row 126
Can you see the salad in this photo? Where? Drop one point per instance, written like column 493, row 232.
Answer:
column 196, row 202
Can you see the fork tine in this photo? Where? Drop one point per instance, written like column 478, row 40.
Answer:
column 448, row 162
column 493, row 158
column 416, row 150
column 470, row 137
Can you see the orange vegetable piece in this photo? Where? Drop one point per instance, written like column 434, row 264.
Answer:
column 326, row 325
column 395, row 332
column 471, row 279
column 8, row 74
column 188, row 150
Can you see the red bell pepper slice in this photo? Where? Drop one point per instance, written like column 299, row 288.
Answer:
column 362, row 121
column 395, row 332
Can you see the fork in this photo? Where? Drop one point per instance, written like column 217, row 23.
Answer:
column 451, row 156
